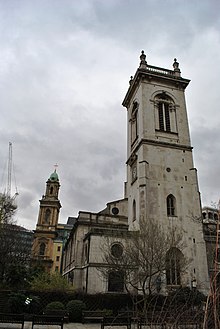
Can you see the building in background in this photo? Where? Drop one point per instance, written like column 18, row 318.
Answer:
column 49, row 235
column 15, row 252
column 210, row 218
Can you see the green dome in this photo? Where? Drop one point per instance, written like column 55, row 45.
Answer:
column 54, row 177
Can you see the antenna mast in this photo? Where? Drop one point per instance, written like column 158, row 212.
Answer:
column 10, row 164
column 8, row 192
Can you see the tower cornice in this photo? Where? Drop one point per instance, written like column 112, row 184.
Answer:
column 154, row 74
column 158, row 143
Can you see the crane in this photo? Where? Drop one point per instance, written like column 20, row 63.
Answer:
column 10, row 168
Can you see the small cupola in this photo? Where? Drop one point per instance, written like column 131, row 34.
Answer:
column 54, row 177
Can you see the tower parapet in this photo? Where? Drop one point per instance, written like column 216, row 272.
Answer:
column 153, row 73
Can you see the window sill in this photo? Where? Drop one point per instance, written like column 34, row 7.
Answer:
column 166, row 132
column 173, row 287
column 115, row 292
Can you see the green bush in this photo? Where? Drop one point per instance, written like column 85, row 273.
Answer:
column 16, row 303
column 75, row 308
column 55, row 306
column 49, row 282
column 35, row 305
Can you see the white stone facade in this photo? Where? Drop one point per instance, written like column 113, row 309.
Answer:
column 83, row 250
column 161, row 182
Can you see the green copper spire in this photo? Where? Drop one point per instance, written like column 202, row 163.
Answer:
column 54, row 177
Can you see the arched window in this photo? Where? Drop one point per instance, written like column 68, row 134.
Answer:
column 210, row 215
column 51, row 190
column 116, row 281
column 171, row 205
column 165, row 113
column 174, row 259
column 47, row 216
column 204, row 215
column 42, row 249
column 134, row 215
column 134, row 122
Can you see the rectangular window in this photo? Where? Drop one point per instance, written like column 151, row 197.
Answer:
column 164, row 117
column 134, row 122
column 57, row 258
column 167, row 117
column 58, row 248
column 160, row 112
column 170, row 205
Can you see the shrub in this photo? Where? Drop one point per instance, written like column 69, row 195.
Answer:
column 35, row 305
column 50, row 282
column 55, row 306
column 75, row 308
column 16, row 303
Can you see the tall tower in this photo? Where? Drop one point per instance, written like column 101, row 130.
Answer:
column 46, row 228
column 161, row 179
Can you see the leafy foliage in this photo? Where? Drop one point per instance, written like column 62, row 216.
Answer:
column 50, row 282
column 75, row 308
column 16, row 275
column 16, row 303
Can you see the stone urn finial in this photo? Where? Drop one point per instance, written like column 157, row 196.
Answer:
column 176, row 68
column 143, row 63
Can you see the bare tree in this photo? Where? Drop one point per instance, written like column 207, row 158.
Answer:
column 146, row 259
column 7, row 209
column 14, row 241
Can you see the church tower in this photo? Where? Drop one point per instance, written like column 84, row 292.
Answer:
column 161, row 179
column 46, row 228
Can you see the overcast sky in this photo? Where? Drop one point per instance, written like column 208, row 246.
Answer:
column 64, row 71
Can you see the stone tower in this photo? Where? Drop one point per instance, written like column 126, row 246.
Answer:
column 46, row 228
column 161, row 179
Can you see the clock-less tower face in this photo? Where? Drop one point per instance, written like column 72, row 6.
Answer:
column 158, row 138
column 161, row 178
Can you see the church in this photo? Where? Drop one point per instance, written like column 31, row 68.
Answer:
column 161, row 187
column 50, row 236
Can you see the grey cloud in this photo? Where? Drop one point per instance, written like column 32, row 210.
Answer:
column 64, row 70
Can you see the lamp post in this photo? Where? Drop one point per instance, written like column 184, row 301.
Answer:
column 193, row 283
